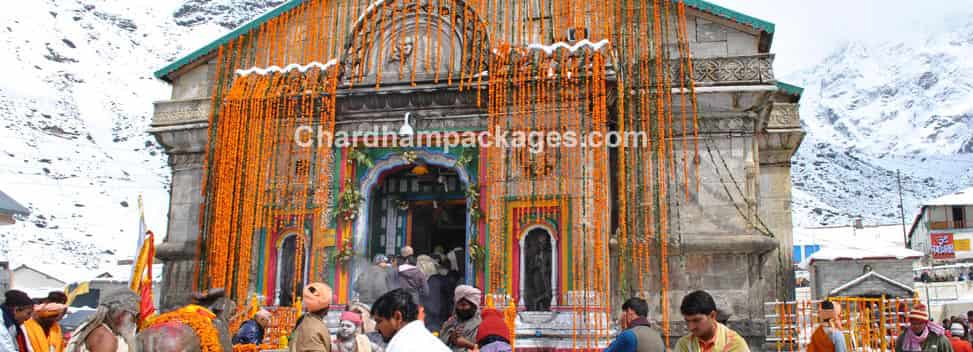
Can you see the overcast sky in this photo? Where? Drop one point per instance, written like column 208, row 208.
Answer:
column 808, row 30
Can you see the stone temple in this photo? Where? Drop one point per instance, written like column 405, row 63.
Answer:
column 557, row 238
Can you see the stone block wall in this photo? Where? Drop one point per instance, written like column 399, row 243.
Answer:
column 828, row 275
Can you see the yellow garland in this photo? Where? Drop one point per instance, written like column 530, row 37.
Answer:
column 199, row 319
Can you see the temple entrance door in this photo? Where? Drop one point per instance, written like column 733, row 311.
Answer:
column 438, row 226
column 426, row 211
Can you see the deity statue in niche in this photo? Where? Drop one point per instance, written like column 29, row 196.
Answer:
column 538, row 266
column 401, row 52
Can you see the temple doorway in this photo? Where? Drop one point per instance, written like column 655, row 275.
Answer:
column 421, row 206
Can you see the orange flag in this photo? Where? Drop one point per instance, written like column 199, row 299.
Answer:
column 141, row 281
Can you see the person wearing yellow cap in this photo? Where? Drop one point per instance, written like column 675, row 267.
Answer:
column 311, row 333
column 43, row 331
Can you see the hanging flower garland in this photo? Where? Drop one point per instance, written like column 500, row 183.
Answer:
column 362, row 158
column 410, row 157
column 473, row 200
column 349, row 202
column 344, row 252
column 199, row 319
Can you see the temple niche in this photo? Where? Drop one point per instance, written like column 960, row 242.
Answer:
column 538, row 291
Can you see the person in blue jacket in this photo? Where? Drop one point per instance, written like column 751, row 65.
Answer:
column 252, row 331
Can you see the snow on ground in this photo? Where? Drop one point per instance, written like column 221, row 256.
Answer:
column 75, row 104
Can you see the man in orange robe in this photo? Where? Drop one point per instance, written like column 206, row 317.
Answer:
column 827, row 337
column 43, row 331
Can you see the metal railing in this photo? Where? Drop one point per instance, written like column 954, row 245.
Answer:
column 868, row 324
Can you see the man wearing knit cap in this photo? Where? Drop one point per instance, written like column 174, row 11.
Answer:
column 17, row 308
column 311, row 333
column 459, row 332
column 350, row 337
column 922, row 335
column 957, row 330
column 827, row 337
column 493, row 335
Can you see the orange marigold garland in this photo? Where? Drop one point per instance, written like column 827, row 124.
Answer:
column 199, row 319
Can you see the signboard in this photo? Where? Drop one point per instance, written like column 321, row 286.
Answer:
column 961, row 244
column 942, row 246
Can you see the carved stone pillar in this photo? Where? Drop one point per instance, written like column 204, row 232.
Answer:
column 181, row 127
column 777, row 146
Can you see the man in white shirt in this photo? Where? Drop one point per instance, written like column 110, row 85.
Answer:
column 396, row 316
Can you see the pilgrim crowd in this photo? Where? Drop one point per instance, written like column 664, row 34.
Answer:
column 399, row 311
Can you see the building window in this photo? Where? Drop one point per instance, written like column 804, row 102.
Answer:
column 937, row 218
column 959, row 220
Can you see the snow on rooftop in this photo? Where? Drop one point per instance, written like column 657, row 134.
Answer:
column 863, row 251
column 963, row 197
column 848, row 242
column 840, row 236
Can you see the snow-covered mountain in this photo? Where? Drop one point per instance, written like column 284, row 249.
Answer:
column 871, row 110
column 75, row 103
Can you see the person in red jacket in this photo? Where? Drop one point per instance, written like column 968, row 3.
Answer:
column 958, row 338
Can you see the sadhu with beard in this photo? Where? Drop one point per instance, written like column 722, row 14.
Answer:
column 111, row 328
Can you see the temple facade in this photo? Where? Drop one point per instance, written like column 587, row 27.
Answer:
column 559, row 237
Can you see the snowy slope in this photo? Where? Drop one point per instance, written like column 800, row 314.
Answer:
column 873, row 109
column 75, row 102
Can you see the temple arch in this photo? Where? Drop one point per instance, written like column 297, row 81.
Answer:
column 390, row 163
column 397, row 41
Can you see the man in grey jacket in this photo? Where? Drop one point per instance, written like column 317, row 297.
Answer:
column 374, row 281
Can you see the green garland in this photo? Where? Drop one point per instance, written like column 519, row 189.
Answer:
column 473, row 199
column 349, row 201
column 355, row 155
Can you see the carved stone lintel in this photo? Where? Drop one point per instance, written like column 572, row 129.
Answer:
column 175, row 112
column 784, row 115
column 183, row 161
column 777, row 147
column 725, row 70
